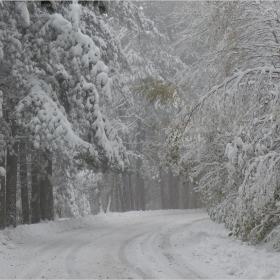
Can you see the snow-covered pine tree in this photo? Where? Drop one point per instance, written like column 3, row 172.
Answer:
column 58, row 82
column 151, row 58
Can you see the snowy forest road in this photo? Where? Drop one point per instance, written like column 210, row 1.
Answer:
column 131, row 246
column 162, row 244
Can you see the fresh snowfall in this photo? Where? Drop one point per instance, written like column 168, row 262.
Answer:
column 139, row 139
column 162, row 244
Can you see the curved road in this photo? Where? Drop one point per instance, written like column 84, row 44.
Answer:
column 132, row 247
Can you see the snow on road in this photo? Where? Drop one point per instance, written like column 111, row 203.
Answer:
column 176, row 244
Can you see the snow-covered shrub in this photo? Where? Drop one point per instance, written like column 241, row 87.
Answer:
column 228, row 134
column 232, row 145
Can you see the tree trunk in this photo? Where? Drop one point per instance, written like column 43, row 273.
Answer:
column 142, row 194
column 130, row 192
column 109, row 204
column 98, row 205
column 138, row 167
column 43, row 186
column 163, row 202
column 94, row 200
column 35, row 188
column 49, row 214
column 170, row 188
column 139, row 193
column 182, row 194
column 11, row 183
column 142, row 185
column 126, row 194
column 191, row 196
column 2, row 197
column 175, row 192
column 121, row 195
column 46, row 189
column 101, row 208
column 187, row 191
column 129, row 185
column 24, row 184
column 136, row 194
column 139, row 184
column 115, row 198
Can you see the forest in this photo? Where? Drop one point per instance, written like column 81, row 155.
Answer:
column 116, row 106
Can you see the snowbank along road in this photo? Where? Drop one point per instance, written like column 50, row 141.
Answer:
column 174, row 244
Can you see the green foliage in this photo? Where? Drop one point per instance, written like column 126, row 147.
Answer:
column 158, row 90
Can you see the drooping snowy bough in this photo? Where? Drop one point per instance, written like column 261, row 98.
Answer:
column 232, row 144
column 60, row 79
column 227, row 136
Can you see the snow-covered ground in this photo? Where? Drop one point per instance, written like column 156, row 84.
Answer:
column 153, row 244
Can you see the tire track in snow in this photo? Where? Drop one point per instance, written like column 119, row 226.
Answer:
column 124, row 246
column 46, row 253
column 137, row 249
column 169, row 257
column 71, row 259
column 158, row 256
column 65, row 250
column 122, row 257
